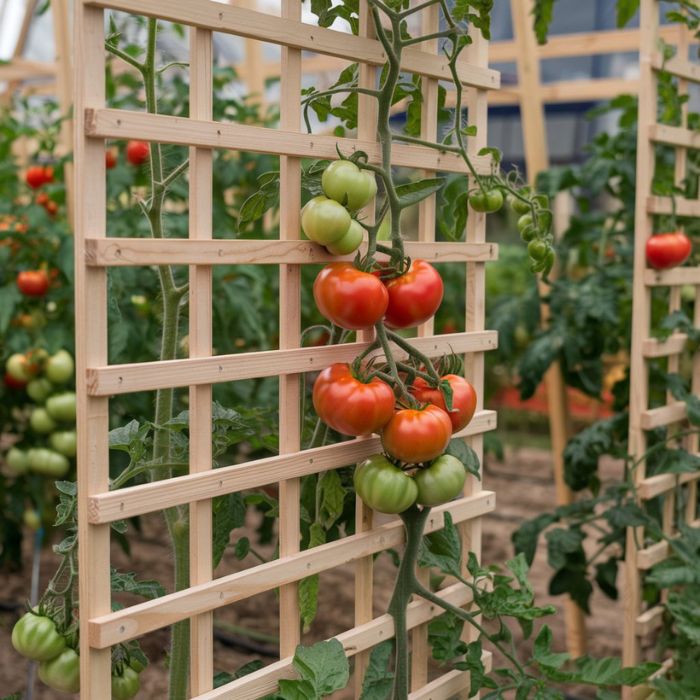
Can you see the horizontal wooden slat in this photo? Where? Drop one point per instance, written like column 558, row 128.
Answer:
column 680, row 67
column 109, row 252
column 663, row 415
column 673, row 345
column 674, row 136
column 248, row 23
column 122, row 124
column 665, row 205
column 671, row 278
column 650, row 620
column 447, row 686
column 137, row 620
column 654, row 486
column 149, row 376
column 146, row 498
column 264, row 682
column 655, row 553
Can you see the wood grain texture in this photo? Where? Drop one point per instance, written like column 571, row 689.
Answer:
column 140, row 619
column 672, row 278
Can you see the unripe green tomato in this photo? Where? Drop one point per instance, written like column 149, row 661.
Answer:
column 64, row 441
column 517, row 205
column 441, row 481
column 17, row 460
column 36, row 637
column 62, row 406
column 39, row 389
column 324, row 220
column 349, row 243
column 537, row 249
column 47, row 462
column 525, row 222
column 18, row 367
column 60, row 367
column 41, row 421
column 31, row 519
column 688, row 292
column 344, row 182
column 136, row 664
column 126, row 685
column 383, row 486
column 62, row 672
column 486, row 202
column 528, row 234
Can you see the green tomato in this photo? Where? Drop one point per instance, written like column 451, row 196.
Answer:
column 537, row 249
column 525, row 222
column 62, row 406
column 47, row 462
column 64, row 441
column 486, row 202
column 324, row 220
column 349, row 243
column 517, row 205
column 136, row 663
column 17, row 461
column 19, row 368
column 344, row 182
column 39, row 389
column 383, row 486
column 441, row 481
column 36, row 637
column 60, row 367
column 31, row 519
column 126, row 685
column 62, row 672
column 41, row 421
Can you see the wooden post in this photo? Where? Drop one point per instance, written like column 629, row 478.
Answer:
column 537, row 160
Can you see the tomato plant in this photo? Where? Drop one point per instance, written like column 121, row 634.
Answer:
column 417, row 435
column 415, row 296
column 350, row 298
column 383, row 486
column 349, row 405
column 666, row 250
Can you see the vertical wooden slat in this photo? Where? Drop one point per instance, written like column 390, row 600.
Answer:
column 91, row 349
column 290, row 321
column 200, row 343
column 537, row 160
column 364, row 516
column 641, row 312
column 430, row 23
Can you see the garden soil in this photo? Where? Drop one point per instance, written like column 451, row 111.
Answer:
column 524, row 487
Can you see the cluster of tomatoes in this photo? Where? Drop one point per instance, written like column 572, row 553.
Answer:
column 52, row 415
column 36, row 637
column 36, row 177
column 328, row 219
column 667, row 250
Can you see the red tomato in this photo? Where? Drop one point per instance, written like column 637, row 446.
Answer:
column 13, row 383
column 348, row 297
column 42, row 199
column 665, row 250
column 463, row 398
column 350, row 406
column 51, row 207
column 137, row 152
column 34, row 176
column 417, row 435
column 48, row 174
column 33, row 283
column 414, row 297
column 110, row 158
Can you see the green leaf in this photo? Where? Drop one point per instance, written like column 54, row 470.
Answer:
column 10, row 297
column 560, row 543
column 458, row 448
column 222, row 677
column 526, row 536
column 414, row 192
column 495, row 153
column 332, row 498
column 543, row 12
column 445, row 637
column 228, row 514
column 128, row 583
column 606, row 577
column 626, row 10
column 324, row 665
column 543, row 653
column 296, row 690
column 308, row 587
column 379, row 679
column 475, row 666
column 442, row 549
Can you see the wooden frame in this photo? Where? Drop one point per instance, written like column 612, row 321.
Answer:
column 96, row 380
column 641, row 556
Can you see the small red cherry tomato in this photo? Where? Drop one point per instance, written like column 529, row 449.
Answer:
column 137, row 152
column 34, row 176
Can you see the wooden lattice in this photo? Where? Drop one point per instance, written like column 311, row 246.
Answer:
column 95, row 252
column 640, row 556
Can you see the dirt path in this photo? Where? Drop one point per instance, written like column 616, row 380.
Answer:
column 524, row 488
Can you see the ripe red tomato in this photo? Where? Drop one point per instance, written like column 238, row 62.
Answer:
column 463, row 398
column 666, row 250
column 348, row 297
column 51, row 207
column 350, row 406
column 33, row 283
column 137, row 152
column 42, row 199
column 417, row 435
column 35, row 176
column 110, row 158
column 14, row 383
column 414, row 297
column 48, row 174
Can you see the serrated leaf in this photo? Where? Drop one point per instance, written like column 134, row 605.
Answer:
column 128, row 583
column 379, row 679
column 324, row 665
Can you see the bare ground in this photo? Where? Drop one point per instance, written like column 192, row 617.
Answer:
column 524, row 488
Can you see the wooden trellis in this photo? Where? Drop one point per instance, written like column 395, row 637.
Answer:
column 96, row 380
column 641, row 556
